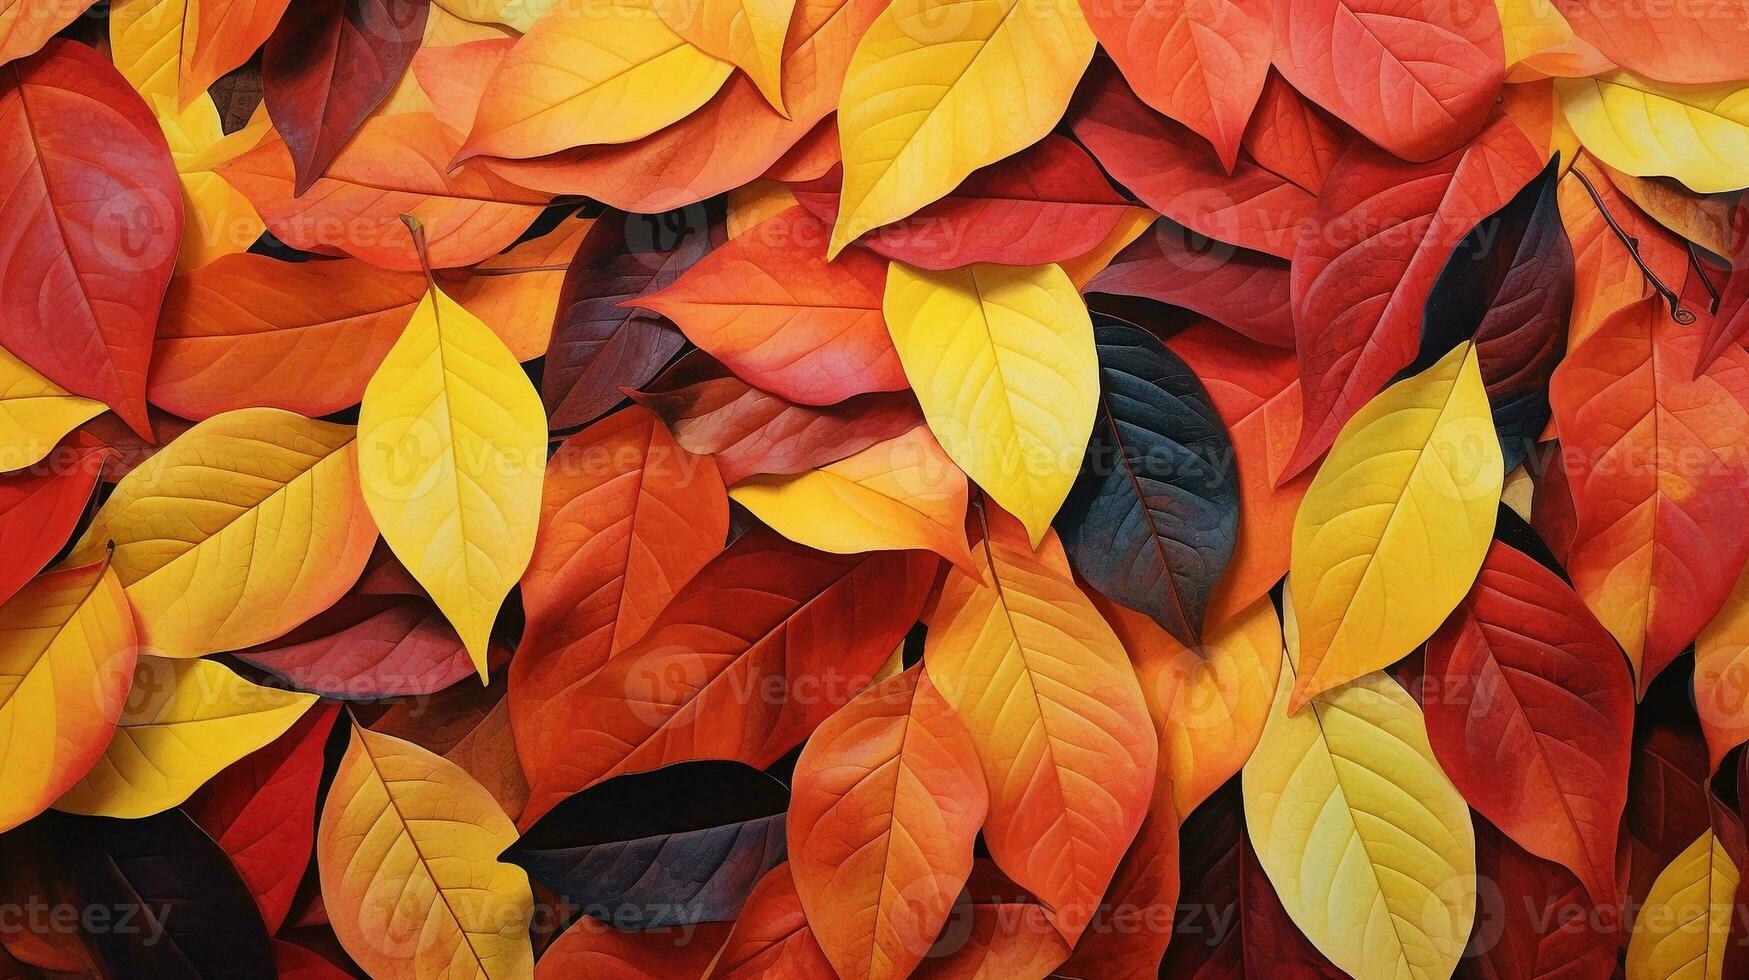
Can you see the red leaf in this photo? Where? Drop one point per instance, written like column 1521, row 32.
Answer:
column 1533, row 924
column 328, row 65
column 1293, row 137
column 1415, row 77
column 1256, row 391
column 1658, row 462
column 996, row 930
column 1172, row 171
column 1726, row 328
column 1244, row 290
column 365, row 648
column 90, row 217
column 297, row 963
column 758, row 648
column 1374, row 247
column 1531, row 712
column 1129, row 935
column 599, row 343
column 627, row 517
column 40, row 507
column 752, row 432
column 1199, row 62
column 770, row 307
column 1048, row 203
column 772, row 938
column 592, row 951
column 262, row 811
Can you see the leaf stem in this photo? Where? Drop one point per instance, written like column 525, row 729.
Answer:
column 1677, row 312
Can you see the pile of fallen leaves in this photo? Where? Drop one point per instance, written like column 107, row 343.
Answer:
column 868, row 488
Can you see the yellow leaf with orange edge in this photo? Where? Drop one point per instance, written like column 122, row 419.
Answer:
column 895, row 495
column 1540, row 43
column 1698, row 134
column 184, row 721
column 1003, row 362
column 452, row 451
column 748, row 34
column 938, row 88
column 1056, row 713
column 1209, row 704
column 240, row 529
column 1393, row 529
column 516, row 14
column 407, row 848
column 590, row 72
column 66, row 661
column 1721, row 675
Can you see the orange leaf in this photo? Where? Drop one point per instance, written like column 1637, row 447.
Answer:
column 395, row 165
column 774, row 311
column 772, row 938
column 886, row 804
column 1057, row 715
column 627, row 516
column 219, row 36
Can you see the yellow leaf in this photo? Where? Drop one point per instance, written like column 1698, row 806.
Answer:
column 1698, row 134
column 517, row 14
column 35, row 413
column 1540, row 43
column 452, row 450
column 748, row 34
column 1003, row 362
column 1056, row 714
column 66, row 659
column 1394, row 527
column 1368, row 844
column 1683, row 928
column 755, row 201
column 592, row 71
column 240, row 529
column 938, row 88
column 145, row 41
column 408, row 851
column 184, row 721
column 895, row 495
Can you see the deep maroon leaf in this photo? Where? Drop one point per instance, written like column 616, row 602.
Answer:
column 1240, row 289
column 1509, row 286
column 598, row 345
column 328, row 65
column 1535, row 922
column 368, row 647
column 751, row 432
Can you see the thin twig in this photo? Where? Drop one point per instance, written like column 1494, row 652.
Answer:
column 1677, row 311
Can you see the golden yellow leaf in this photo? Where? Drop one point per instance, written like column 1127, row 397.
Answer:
column 35, row 413
column 184, row 721
column 1003, row 362
column 591, row 71
column 1540, row 43
column 1683, row 929
column 895, row 495
column 1368, row 844
column 1698, row 134
column 938, row 88
column 408, row 851
column 241, row 528
column 756, row 201
column 748, row 34
column 452, row 451
column 517, row 14
column 1394, row 527
column 66, row 659
column 145, row 42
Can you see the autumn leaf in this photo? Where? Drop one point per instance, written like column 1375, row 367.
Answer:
column 1694, row 133
column 451, row 449
column 1055, row 712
